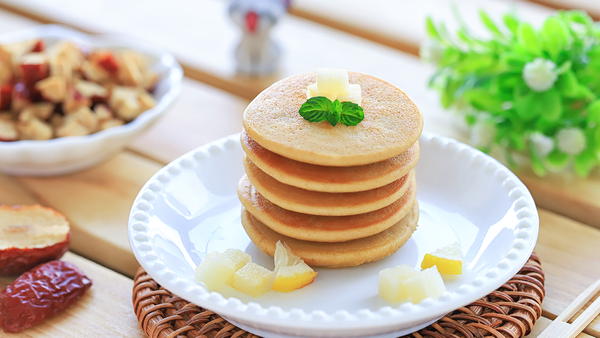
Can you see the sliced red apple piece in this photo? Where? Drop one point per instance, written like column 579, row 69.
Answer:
column 38, row 47
column 6, row 74
column 106, row 60
column 33, row 68
column 31, row 235
column 53, row 88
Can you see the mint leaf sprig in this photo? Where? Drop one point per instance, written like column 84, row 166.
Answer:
column 320, row 108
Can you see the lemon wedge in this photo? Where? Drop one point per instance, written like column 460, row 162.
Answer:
column 447, row 259
column 291, row 272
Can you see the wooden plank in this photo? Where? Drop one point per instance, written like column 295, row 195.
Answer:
column 401, row 25
column 104, row 311
column 543, row 323
column 592, row 7
column 569, row 253
column 97, row 202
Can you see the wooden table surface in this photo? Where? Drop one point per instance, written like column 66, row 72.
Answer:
column 378, row 37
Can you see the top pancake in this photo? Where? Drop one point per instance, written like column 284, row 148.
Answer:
column 392, row 124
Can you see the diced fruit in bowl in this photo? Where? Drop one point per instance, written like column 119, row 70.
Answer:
column 30, row 235
column 291, row 272
column 215, row 270
column 391, row 282
column 426, row 284
column 69, row 78
column 253, row 279
column 447, row 259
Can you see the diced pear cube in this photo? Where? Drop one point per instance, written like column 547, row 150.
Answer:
column 215, row 270
column 427, row 283
column 253, row 279
column 391, row 282
column 239, row 259
column 353, row 94
column 332, row 82
column 312, row 90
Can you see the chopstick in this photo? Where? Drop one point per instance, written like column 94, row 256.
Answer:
column 560, row 326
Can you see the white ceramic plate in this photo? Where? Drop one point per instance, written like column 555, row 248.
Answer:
column 190, row 208
column 67, row 154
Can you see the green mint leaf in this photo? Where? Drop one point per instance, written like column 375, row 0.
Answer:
column 528, row 39
column 316, row 109
column 334, row 114
column 351, row 114
column 511, row 22
column 554, row 36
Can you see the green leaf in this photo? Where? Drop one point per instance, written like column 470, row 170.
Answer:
column 558, row 159
column 514, row 61
column 584, row 163
column 549, row 104
column 487, row 21
column 511, row 22
column 517, row 141
column 554, row 35
column 565, row 67
column 536, row 164
column 431, row 30
column 527, row 37
column 594, row 112
column 334, row 113
column 525, row 103
column 568, row 84
column 351, row 114
column 473, row 62
column 483, row 100
column 316, row 109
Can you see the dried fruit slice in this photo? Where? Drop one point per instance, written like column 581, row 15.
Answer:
column 291, row 272
column 30, row 235
column 447, row 259
column 426, row 284
column 253, row 279
column 391, row 282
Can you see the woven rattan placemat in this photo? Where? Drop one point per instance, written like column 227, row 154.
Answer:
column 511, row 311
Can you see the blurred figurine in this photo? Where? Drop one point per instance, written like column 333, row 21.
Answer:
column 256, row 53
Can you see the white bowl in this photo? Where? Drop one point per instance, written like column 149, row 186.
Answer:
column 67, row 154
column 190, row 207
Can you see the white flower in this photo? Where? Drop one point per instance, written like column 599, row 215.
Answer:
column 483, row 133
column 539, row 74
column 542, row 144
column 431, row 51
column 571, row 140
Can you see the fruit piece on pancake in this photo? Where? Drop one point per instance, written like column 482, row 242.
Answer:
column 291, row 272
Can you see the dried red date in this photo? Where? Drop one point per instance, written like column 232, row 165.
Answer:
column 41, row 293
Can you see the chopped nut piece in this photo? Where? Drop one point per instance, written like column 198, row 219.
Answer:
column 86, row 118
column 124, row 102
column 74, row 100
column 103, row 112
column 71, row 127
column 146, row 101
column 61, row 67
column 41, row 110
column 8, row 130
column 53, row 89
column 111, row 123
column 35, row 129
column 94, row 72
column 91, row 89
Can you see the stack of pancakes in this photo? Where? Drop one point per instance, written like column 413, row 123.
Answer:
column 338, row 196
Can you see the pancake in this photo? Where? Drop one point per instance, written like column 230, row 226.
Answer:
column 324, row 228
column 330, row 179
column 324, row 203
column 392, row 124
column 335, row 255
